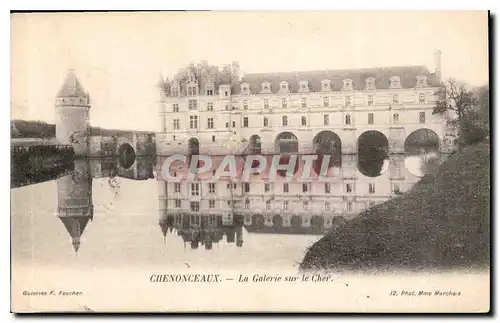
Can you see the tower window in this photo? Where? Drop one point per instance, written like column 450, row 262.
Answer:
column 268, row 205
column 177, row 203
column 245, row 122
column 285, row 188
column 266, row 187
column 348, row 101
column 177, row 187
column 304, row 188
column 327, row 188
column 245, row 104
column 266, row 104
column 395, row 99
column 211, row 187
column 266, row 122
column 395, row 118
column 285, row 205
column 303, row 120
column 326, row 102
column 211, row 204
column 370, row 100
column 246, row 187
column 284, row 120
column 195, row 189
column 348, row 188
column 304, row 102
column 371, row 188
column 213, row 138
column 283, row 103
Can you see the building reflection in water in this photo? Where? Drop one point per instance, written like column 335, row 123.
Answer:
column 202, row 211
column 74, row 192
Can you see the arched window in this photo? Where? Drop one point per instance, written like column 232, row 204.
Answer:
column 395, row 118
column 303, row 120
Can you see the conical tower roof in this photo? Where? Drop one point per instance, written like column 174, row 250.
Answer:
column 71, row 86
column 161, row 82
column 75, row 225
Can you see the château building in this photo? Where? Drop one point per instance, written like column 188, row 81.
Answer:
column 346, row 113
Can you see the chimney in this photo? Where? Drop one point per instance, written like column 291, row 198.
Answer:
column 236, row 70
column 437, row 64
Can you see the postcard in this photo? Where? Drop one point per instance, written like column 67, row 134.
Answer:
column 252, row 161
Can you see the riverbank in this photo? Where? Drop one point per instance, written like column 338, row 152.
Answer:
column 443, row 222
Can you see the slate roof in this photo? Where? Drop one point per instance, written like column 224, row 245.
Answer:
column 407, row 74
column 71, row 86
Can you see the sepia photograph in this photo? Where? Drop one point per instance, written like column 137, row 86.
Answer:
column 250, row 161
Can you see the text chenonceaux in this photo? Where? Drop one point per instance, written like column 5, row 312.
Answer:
column 185, row 278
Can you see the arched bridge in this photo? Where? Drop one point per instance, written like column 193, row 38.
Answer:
column 122, row 143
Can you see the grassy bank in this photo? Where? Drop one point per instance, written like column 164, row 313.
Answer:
column 443, row 222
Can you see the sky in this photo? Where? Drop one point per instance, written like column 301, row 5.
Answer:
column 118, row 57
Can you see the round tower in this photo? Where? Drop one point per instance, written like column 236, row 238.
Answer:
column 73, row 114
column 74, row 201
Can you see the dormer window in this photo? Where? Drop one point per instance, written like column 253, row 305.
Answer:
column 191, row 90
column 370, row 83
column 245, row 88
column 303, row 86
column 395, row 82
column 283, row 86
column 209, row 89
column 175, row 90
column 266, row 87
column 325, row 85
column 421, row 81
column 347, row 84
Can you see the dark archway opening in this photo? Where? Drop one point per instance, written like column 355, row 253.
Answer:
column 318, row 223
column 373, row 152
column 126, row 156
column 327, row 143
column 193, row 151
column 286, row 144
column 258, row 220
column 296, row 222
column 277, row 221
column 421, row 141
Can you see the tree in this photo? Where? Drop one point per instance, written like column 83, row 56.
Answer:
column 466, row 109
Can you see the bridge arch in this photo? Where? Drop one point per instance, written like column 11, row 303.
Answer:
column 420, row 141
column 327, row 143
column 286, row 142
column 373, row 153
column 255, row 145
column 126, row 155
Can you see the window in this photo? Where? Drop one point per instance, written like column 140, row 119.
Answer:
column 195, row 189
column 326, row 119
column 175, row 91
column 210, row 90
column 327, row 206
column 246, row 187
column 268, row 205
column 349, row 206
column 285, row 188
column 177, row 203
column 421, row 98
column 234, row 124
column 210, row 106
column 370, row 100
column 266, row 187
column 395, row 118
column 396, row 188
column 303, row 102
column 245, row 104
column 195, row 206
column 395, row 99
column 326, row 102
column 247, row 204
column 227, row 124
column 176, row 124
column 306, row 205
column 348, row 188
column 304, row 188
column 266, row 104
column 283, row 103
column 173, row 137
column 283, row 86
column 245, row 122
column 348, row 119
column 213, row 138
column 266, row 122
column 347, row 101
column 191, row 90
column 421, row 117
column 284, row 120
column 175, row 107
column 210, row 122
column 177, row 187
column 211, row 204
column 303, row 120
column 371, row 188
column 226, row 93
column 211, row 187
column 193, row 122
column 327, row 188
column 193, row 105
column 285, row 205
column 370, row 118
column 227, row 106
column 229, row 203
